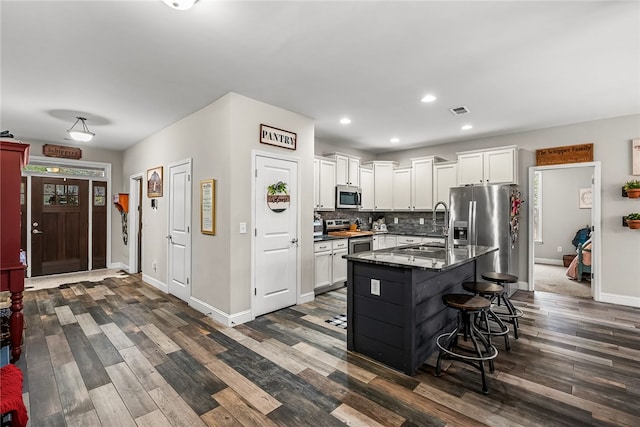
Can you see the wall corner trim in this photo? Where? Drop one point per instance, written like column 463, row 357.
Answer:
column 155, row 283
column 620, row 299
column 305, row 298
column 219, row 315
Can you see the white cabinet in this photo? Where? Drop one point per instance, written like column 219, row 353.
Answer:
column 386, row 241
column 495, row 166
column 383, row 185
column 408, row 240
column 347, row 170
column 325, row 185
column 330, row 267
column 444, row 177
column 422, row 184
column 402, row 189
column 366, row 185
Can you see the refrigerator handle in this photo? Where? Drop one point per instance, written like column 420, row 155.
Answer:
column 470, row 225
column 473, row 220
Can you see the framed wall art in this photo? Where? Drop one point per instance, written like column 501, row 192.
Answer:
column 278, row 137
column 585, row 198
column 154, row 182
column 208, row 206
column 635, row 156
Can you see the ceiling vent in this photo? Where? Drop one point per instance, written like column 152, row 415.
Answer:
column 458, row 111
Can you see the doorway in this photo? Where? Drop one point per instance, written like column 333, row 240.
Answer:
column 275, row 264
column 60, row 225
column 135, row 223
column 179, row 236
column 564, row 199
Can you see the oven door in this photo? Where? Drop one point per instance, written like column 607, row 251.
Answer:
column 360, row 244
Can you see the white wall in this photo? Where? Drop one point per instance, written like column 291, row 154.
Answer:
column 561, row 214
column 612, row 146
column 324, row 147
column 220, row 139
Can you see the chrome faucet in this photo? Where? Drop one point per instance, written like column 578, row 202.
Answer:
column 445, row 226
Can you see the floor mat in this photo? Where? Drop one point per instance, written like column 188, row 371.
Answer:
column 340, row 321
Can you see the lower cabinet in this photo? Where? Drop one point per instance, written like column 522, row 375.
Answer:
column 330, row 267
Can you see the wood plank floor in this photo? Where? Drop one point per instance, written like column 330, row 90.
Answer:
column 119, row 352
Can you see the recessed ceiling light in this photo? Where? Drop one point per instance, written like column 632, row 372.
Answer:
column 345, row 120
column 467, row 127
column 394, row 140
column 180, row 4
column 428, row 98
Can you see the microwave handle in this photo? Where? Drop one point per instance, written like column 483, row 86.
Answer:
column 359, row 199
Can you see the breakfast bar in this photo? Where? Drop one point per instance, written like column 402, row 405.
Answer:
column 394, row 300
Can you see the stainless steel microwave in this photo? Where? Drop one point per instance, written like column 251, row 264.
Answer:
column 348, row 197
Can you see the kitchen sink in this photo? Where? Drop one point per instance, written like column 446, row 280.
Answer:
column 423, row 251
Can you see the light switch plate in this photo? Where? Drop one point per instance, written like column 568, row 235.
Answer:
column 243, row 227
column 375, row 287
column 395, row 220
column 421, row 221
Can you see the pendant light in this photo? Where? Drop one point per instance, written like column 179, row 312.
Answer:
column 82, row 135
column 180, row 4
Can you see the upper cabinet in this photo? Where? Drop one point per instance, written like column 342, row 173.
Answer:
column 445, row 176
column 402, row 189
column 382, row 185
column 366, row 185
column 347, row 169
column 422, row 183
column 493, row 166
column 324, row 198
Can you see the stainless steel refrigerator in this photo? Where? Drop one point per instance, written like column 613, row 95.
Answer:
column 487, row 215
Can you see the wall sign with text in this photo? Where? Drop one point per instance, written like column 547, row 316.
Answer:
column 278, row 137
column 566, row 154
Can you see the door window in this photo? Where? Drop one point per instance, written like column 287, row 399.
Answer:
column 60, row 194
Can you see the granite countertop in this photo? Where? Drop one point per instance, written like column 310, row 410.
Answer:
column 416, row 256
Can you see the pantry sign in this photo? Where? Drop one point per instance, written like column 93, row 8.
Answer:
column 278, row 137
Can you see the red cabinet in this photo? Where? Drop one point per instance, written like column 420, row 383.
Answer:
column 13, row 156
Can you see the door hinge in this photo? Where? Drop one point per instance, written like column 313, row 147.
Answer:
column 256, row 173
column 255, row 232
column 188, row 178
column 187, row 280
column 188, row 229
column 255, row 291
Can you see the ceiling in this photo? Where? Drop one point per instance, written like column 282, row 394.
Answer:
column 134, row 67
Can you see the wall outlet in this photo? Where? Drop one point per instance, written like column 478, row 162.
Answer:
column 154, row 265
column 370, row 220
column 559, row 249
column 395, row 220
column 375, row 287
column 421, row 221
column 243, row 227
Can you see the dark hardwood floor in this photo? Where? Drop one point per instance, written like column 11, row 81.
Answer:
column 119, row 352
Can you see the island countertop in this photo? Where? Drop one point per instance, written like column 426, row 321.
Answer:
column 422, row 257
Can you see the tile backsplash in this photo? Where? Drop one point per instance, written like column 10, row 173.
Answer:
column 407, row 221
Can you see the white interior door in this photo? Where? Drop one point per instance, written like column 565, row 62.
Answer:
column 276, row 247
column 180, row 230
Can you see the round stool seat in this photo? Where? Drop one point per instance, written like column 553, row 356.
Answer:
column 466, row 302
column 483, row 288
column 494, row 276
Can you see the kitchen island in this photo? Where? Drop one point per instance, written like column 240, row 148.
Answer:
column 394, row 300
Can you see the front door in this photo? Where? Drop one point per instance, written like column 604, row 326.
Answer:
column 180, row 230
column 276, row 249
column 59, row 225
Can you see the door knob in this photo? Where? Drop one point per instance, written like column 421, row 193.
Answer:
column 37, row 231
column 294, row 240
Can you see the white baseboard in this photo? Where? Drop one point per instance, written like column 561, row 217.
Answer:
column 305, row 298
column 548, row 261
column 620, row 299
column 155, row 283
column 219, row 315
column 119, row 266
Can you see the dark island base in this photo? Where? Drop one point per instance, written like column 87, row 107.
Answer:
column 400, row 326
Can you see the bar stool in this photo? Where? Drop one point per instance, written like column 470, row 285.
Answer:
column 512, row 313
column 469, row 307
column 489, row 291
